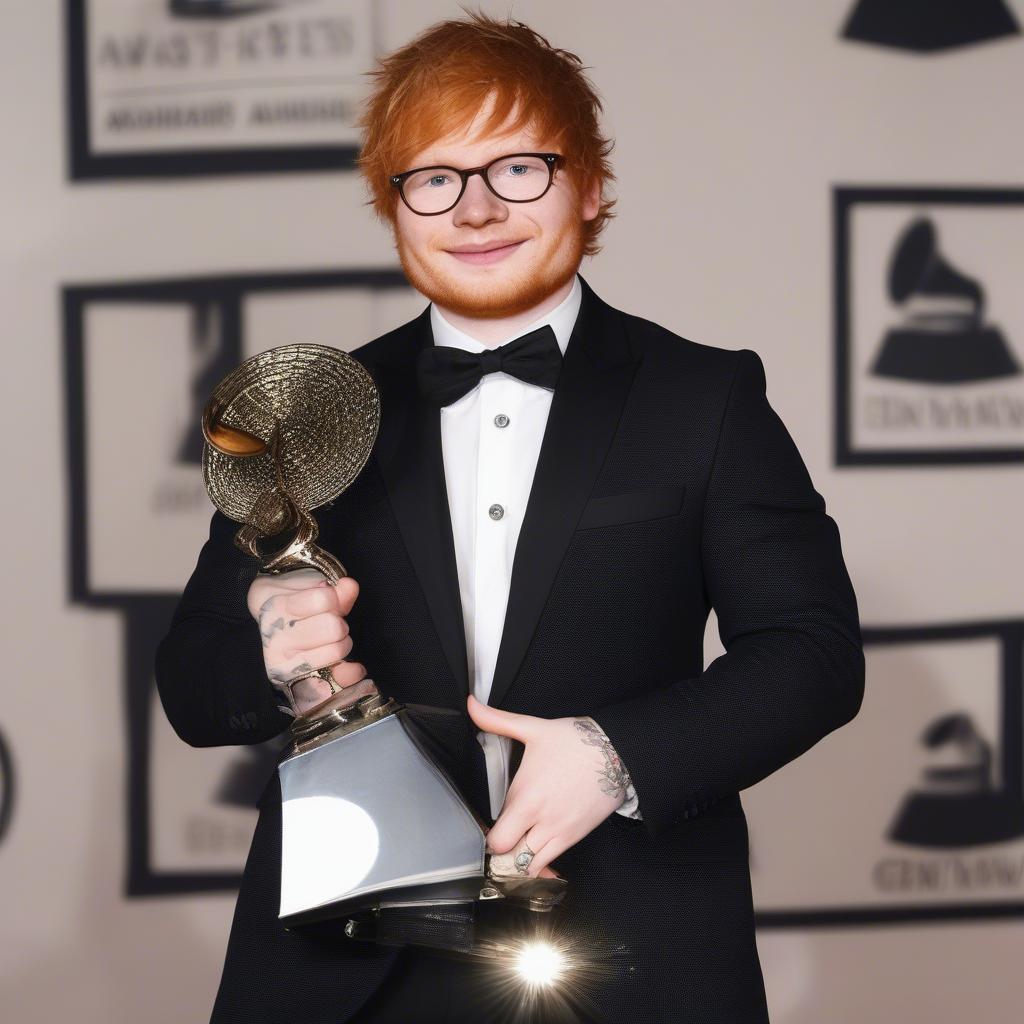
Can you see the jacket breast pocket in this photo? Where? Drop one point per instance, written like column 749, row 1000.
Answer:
column 632, row 506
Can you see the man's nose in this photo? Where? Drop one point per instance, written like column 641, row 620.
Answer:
column 478, row 204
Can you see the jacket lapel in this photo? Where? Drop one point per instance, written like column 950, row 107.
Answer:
column 592, row 387
column 408, row 452
column 585, row 409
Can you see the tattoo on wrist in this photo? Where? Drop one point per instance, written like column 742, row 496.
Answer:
column 283, row 677
column 614, row 779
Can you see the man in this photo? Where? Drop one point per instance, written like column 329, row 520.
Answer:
column 558, row 494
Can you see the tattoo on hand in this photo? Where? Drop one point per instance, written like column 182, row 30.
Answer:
column 614, row 777
column 268, row 632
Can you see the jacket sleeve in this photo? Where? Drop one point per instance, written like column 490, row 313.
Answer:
column 209, row 668
column 793, row 670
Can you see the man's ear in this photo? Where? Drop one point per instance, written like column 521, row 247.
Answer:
column 591, row 199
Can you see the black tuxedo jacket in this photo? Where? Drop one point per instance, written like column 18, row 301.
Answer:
column 666, row 485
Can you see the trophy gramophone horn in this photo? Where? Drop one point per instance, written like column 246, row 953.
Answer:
column 287, row 431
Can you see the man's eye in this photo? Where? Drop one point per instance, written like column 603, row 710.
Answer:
column 441, row 178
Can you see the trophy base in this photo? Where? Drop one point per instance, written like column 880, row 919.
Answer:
column 448, row 928
column 478, row 931
column 419, row 901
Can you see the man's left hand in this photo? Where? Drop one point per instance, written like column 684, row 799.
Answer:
column 568, row 782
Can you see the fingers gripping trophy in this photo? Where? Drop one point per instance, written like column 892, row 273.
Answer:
column 373, row 829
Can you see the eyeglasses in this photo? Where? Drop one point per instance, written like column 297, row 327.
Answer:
column 518, row 178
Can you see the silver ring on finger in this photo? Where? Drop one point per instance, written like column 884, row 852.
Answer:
column 524, row 859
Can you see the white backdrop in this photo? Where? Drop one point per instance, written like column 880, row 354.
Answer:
column 734, row 123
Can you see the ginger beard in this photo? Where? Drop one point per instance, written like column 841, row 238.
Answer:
column 524, row 279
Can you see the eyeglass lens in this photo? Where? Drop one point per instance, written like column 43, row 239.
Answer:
column 516, row 178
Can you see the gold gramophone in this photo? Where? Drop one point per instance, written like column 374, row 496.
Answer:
column 373, row 829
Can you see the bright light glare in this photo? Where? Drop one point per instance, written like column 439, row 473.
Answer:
column 540, row 963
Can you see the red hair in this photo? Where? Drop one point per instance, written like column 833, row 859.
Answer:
column 436, row 85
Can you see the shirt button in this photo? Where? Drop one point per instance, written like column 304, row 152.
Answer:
column 495, row 511
column 501, row 420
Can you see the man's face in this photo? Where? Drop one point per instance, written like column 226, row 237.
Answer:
column 541, row 242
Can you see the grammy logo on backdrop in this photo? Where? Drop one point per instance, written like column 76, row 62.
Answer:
column 942, row 338
column 6, row 786
column 926, row 26
column 929, row 325
column 212, row 352
column 957, row 802
column 951, row 836
column 939, row 804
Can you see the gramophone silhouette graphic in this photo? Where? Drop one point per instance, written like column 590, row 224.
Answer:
column 957, row 804
column 943, row 338
column 6, row 786
column 924, row 26
column 213, row 351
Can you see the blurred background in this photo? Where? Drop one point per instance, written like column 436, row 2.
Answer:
column 836, row 184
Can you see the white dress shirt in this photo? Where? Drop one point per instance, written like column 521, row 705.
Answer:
column 490, row 440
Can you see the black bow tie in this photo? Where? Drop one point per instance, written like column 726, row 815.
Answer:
column 446, row 373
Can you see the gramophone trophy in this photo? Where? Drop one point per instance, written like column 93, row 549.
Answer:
column 374, row 831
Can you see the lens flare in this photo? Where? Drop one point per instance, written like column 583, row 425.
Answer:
column 539, row 963
column 541, row 967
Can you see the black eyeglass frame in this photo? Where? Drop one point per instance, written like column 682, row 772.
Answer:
column 553, row 161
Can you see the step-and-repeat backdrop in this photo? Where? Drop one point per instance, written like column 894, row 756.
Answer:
column 838, row 185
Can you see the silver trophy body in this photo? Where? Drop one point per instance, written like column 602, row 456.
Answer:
column 374, row 831
column 407, row 834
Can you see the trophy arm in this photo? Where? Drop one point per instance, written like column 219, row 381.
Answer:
column 302, row 553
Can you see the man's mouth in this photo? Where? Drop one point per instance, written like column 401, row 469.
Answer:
column 486, row 252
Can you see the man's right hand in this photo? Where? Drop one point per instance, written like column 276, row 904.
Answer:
column 302, row 622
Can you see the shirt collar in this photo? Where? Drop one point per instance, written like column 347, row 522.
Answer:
column 562, row 320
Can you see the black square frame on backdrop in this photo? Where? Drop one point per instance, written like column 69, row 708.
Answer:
column 146, row 615
column 1008, row 637
column 845, row 198
column 84, row 164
